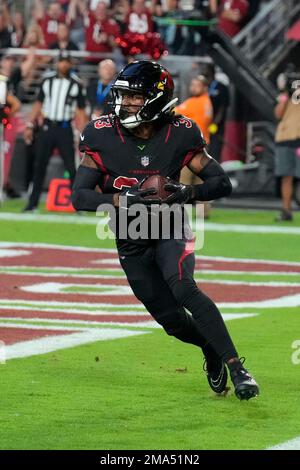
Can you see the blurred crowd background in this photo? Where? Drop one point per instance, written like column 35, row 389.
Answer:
column 233, row 62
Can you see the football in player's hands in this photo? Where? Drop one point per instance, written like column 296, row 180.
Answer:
column 158, row 183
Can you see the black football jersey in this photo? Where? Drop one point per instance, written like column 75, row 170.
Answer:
column 125, row 159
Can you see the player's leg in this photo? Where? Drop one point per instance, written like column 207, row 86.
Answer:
column 65, row 145
column 177, row 266
column 44, row 148
column 148, row 285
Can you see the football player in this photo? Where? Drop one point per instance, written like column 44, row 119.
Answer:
column 143, row 137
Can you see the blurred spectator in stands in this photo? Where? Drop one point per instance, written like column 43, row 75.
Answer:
column 287, row 152
column 64, row 5
column 48, row 19
column 100, row 31
column 63, row 41
column 232, row 14
column 219, row 95
column 75, row 16
column 120, row 13
column 94, row 3
column 60, row 100
column 19, row 29
column 209, row 8
column 139, row 18
column 254, row 6
column 198, row 108
column 12, row 106
column 172, row 33
column 34, row 40
column 5, row 33
column 98, row 91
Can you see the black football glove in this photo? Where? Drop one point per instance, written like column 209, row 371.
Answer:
column 182, row 193
column 135, row 195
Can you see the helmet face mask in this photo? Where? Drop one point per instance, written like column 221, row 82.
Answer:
column 150, row 80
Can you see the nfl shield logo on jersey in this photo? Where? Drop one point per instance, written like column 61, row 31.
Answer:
column 145, row 161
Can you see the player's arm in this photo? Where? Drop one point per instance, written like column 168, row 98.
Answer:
column 85, row 198
column 84, row 195
column 216, row 183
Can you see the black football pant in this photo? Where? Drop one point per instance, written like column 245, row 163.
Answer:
column 162, row 279
column 48, row 138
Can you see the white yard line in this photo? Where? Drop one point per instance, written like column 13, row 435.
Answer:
column 78, row 311
column 62, row 304
column 285, row 301
column 293, row 444
column 71, row 272
column 78, row 323
column 58, row 288
column 114, row 251
column 84, row 220
column 54, row 343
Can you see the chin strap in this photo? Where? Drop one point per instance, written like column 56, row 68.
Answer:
column 133, row 121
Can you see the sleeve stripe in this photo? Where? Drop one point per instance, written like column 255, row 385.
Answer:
column 98, row 159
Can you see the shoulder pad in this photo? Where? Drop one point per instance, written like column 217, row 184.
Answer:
column 49, row 74
column 76, row 78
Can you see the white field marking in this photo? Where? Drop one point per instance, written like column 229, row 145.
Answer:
column 71, row 272
column 35, row 327
column 285, row 301
column 63, row 304
column 84, row 220
column 78, row 324
column 114, row 251
column 239, row 228
column 53, row 343
column 251, row 283
column 117, row 290
column 293, row 444
column 87, row 324
column 58, row 288
column 106, row 261
column 60, row 275
column 249, row 261
column 58, row 247
column 102, row 312
column 4, row 253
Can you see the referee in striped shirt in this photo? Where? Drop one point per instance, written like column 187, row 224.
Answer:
column 61, row 97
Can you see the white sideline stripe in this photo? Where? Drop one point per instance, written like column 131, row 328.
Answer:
column 285, row 301
column 54, row 343
column 239, row 228
column 32, row 326
column 12, row 270
column 125, row 313
column 13, row 253
column 69, row 304
column 84, row 220
column 293, row 444
column 114, row 251
column 74, row 323
column 117, row 290
column 57, row 288
column 250, row 260
column 60, row 275
column 58, row 247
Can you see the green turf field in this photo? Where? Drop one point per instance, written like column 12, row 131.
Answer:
column 149, row 391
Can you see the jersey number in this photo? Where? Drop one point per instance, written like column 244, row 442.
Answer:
column 124, row 182
column 103, row 122
column 184, row 122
